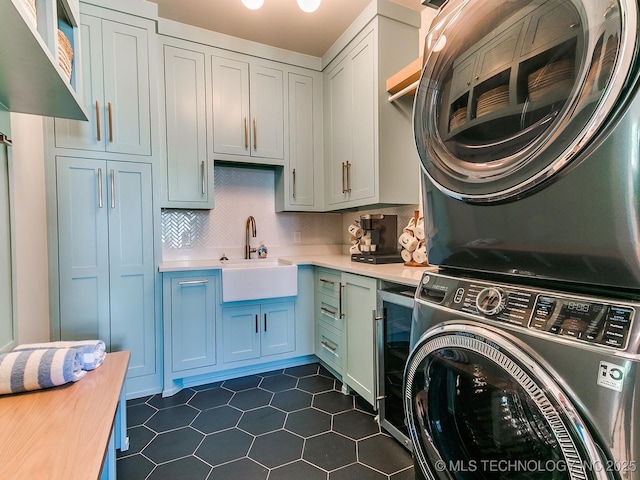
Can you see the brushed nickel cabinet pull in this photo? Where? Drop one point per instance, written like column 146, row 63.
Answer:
column 255, row 134
column 99, row 188
column 330, row 282
column 342, row 175
column 340, row 300
column 188, row 283
column 330, row 347
column 110, row 110
column 98, row 126
column 326, row 310
column 294, row 182
column 246, row 134
column 203, row 179
column 112, row 176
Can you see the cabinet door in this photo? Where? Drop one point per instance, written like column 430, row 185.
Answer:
column 83, row 249
column 361, row 172
column 278, row 328
column 189, row 171
column 8, row 330
column 193, row 337
column 301, row 140
column 338, row 140
column 115, row 70
column 231, row 115
column 241, row 333
column 87, row 135
column 359, row 304
column 126, row 89
column 131, row 264
column 267, row 114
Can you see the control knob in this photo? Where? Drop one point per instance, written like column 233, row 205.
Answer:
column 491, row 301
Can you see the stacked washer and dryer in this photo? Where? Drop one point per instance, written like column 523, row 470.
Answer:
column 526, row 344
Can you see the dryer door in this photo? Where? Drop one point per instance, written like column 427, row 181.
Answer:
column 512, row 92
column 478, row 407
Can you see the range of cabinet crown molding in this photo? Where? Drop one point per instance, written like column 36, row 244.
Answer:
column 125, row 45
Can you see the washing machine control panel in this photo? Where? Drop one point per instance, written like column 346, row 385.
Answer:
column 583, row 318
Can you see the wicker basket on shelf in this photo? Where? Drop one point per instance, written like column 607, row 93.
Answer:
column 65, row 54
column 30, row 6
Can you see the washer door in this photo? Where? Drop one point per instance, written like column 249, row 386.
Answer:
column 478, row 407
column 512, row 92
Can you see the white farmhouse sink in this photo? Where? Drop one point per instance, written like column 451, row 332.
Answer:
column 256, row 279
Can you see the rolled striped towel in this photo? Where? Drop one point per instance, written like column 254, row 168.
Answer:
column 92, row 352
column 37, row 369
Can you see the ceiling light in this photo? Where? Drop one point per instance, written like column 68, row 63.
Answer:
column 253, row 4
column 309, row 5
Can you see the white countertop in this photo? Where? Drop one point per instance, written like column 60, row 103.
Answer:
column 392, row 272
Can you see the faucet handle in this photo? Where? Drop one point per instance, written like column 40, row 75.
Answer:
column 224, row 258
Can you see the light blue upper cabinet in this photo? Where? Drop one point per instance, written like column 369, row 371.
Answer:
column 301, row 136
column 351, row 125
column 116, row 93
column 248, row 111
column 106, row 265
column 369, row 150
column 38, row 85
column 188, row 177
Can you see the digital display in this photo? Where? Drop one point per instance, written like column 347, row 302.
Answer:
column 591, row 322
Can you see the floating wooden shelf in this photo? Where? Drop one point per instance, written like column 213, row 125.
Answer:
column 405, row 78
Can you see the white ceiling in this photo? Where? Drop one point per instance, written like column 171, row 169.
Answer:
column 279, row 23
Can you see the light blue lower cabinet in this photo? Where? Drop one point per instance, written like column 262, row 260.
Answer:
column 258, row 330
column 207, row 341
column 193, row 314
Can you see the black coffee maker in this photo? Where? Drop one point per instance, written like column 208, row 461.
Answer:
column 379, row 242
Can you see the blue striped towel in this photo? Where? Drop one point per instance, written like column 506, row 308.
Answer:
column 36, row 369
column 92, row 352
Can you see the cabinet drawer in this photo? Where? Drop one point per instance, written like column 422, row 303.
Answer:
column 329, row 347
column 328, row 282
column 328, row 311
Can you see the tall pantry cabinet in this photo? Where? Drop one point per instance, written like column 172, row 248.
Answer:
column 101, row 178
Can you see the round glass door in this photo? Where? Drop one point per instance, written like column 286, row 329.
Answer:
column 478, row 408
column 512, row 91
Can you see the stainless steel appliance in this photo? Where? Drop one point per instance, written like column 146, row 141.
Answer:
column 526, row 122
column 394, row 311
column 381, row 231
column 512, row 382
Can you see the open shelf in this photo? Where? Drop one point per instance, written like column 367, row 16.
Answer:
column 31, row 80
column 405, row 79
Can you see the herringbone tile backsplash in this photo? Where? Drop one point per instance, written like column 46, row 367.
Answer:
column 240, row 192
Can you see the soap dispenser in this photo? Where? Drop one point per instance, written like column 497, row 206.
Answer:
column 262, row 250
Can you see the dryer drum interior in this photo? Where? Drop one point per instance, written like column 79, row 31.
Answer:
column 478, row 408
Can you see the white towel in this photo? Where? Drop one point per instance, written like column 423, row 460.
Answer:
column 39, row 368
column 92, row 352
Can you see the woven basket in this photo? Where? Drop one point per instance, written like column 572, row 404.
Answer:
column 30, row 6
column 65, row 54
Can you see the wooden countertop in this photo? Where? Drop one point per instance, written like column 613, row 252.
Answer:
column 62, row 432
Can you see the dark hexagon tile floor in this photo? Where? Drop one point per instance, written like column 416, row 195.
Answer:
column 289, row 424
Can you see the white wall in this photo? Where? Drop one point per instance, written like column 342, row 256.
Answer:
column 29, row 206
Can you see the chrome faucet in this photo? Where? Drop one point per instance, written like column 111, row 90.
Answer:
column 251, row 224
